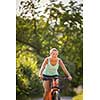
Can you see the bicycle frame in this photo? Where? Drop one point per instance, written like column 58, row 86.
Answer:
column 54, row 86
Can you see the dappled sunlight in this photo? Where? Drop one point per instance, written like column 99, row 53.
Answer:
column 60, row 26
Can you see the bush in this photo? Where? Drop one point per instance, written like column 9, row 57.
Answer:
column 78, row 97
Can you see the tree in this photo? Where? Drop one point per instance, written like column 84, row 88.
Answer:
column 60, row 26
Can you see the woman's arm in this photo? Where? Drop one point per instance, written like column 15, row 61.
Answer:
column 65, row 69
column 43, row 67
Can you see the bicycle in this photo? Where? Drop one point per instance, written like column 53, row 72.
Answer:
column 54, row 93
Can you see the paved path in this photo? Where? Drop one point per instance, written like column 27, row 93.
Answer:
column 62, row 98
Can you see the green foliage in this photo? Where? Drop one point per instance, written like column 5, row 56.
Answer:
column 26, row 72
column 37, row 34
column 78, row 97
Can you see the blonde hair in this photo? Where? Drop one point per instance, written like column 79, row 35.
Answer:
column 53, row 49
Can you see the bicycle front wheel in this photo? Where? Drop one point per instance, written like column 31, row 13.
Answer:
column 56, row 96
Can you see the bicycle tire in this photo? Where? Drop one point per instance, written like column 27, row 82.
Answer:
column 56, row 96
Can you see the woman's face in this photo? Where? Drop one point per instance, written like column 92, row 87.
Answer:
column 54, row 54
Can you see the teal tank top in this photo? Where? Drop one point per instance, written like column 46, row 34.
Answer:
column 51, row 70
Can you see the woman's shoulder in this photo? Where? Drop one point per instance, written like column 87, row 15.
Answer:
column 46, row 59
column 59, row 58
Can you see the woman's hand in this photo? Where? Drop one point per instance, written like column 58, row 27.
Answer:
column 41, row 76
column 70, row 77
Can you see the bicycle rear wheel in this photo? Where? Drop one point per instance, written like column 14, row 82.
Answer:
column 56, row 96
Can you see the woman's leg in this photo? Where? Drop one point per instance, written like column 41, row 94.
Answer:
column 46, row 85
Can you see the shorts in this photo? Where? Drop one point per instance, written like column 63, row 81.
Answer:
column 49, row 76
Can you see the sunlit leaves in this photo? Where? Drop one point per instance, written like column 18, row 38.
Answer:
column 60, row 26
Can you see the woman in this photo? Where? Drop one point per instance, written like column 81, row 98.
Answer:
column 49, row 68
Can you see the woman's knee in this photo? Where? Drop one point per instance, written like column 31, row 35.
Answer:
column 46, row 87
